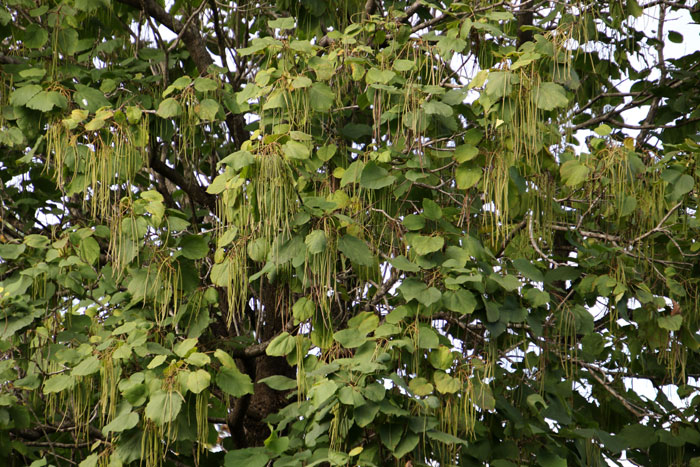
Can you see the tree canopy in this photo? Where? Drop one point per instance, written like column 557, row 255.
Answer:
column 364, row 232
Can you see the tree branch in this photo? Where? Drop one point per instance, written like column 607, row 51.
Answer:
column 193, row 190
column 8, row 60
column 659, row 225
column 190, row 36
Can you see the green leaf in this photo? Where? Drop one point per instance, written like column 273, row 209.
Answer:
column 163, row 407
column 281, row 345
column 207, row 109
column 445, row 438
column 350, row 338
column 355, row 250
column 390, row 434
column 465, row 152
column 431, row 210
column 68, row 41
column 303, row 309
column 157, row 361
column 35, row 36
column 424, row 245
column 483, row 396
column 628, row 205
column 355, row 451
column 227, row 237
column 315, row 242
column 321, row 97
column 573, row 173
column 675, row 37
column 414, row 222
column 550, row 96
column 202, row 84
column 537, row 297
column 296, row 150
column 225, row 359
column 301, row 82
column 412, row 288
column 95, row 124
column 403, row 264
column 403, row 65
column 45, row 101
column 133, row 114
column 179, row 84
column 325, row 153
column 90, row 461
column 460, row 301
column 258, row 249
column 365, row 414
column 407, row 444
column 122, row 422
column 634, row 9
column 169, row 108
column 603, row 130
column 184, row 347
column 89, row 250
column 29, row 382
column 221, row 274
column 528, row 270
column 466, row 177
column 352, row 173
column 10, row 251
column 233, row 382
column 5, row 17
column 420, row 387
column 379, row 76
column 279, row 382
column 89, row 98
column 194, row 246
column 509, row 282
column 248, row 457
column 499, row 84
column 282, row 23
column 305, row 47
column 546, row 459
column 237, row 160
column 350, row 395
column 683, row 185
column 87, row 367
column 198, row 381
column 671, row 323
column 21, row 96
column 58, row 383
column 322, row 391
column 198, row 359
column 437, row 108
column 36, row 241
column 638, row 436
column 375, row 177
column 427, row 338
column 441, row 358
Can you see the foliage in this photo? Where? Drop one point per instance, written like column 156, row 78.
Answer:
column 354, row 232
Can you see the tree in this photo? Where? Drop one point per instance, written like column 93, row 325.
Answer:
column 362, row 232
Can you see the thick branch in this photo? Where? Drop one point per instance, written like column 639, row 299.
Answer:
column 193, row 190
column 257, row 350
column 8, row 60
column 190, row 36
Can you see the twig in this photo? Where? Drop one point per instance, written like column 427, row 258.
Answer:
column 514, row 231
column 535, row 246
column 659, row 225
column 587, row 233
column 635, row 411
column 186, row 25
